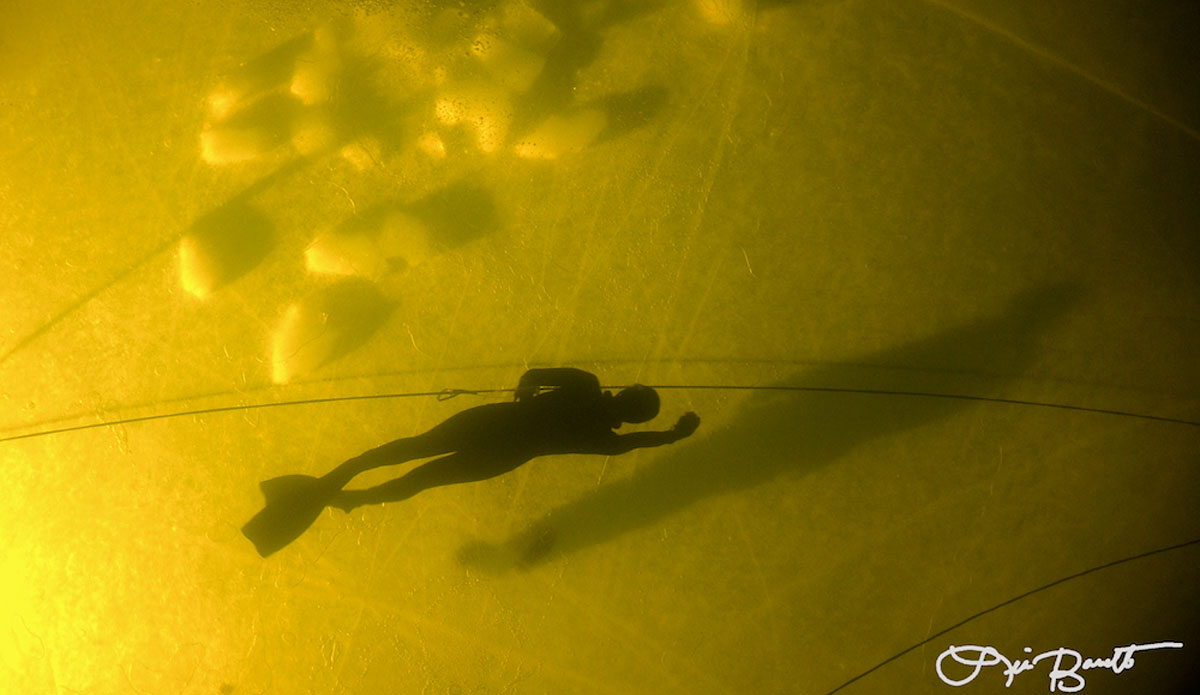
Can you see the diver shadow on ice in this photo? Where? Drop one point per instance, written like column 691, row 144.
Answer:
column 555, row 411
column 778, row 433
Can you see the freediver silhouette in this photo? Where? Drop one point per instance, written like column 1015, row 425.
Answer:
column 554, row 411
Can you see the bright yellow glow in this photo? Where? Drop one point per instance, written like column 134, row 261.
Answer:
column 17, row 606
column 232, row 145
column 221, row 102
column 294, row 347
column 197, row 275
column 364, row 153
column 399, row 240
column 720, row 12
column 560, row 135
column 431, row 144
column 336, row 253
column 317, row 70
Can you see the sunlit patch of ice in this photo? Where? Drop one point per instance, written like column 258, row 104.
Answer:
column 250, row 132
column 432, row 144
column 364, row 153
column 196, row 275
column 371, row 249
column 325, row 326
column 221, row 102
column 314, row 81
column 264, row 74
column 315, row 77
column 721, row 12
column 231, row 145
column 221, row 246
column 562, row 134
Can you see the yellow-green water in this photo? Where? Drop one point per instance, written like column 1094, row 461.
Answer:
column 223, row 222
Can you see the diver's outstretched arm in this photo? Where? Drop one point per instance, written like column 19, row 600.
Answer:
column 624, row 443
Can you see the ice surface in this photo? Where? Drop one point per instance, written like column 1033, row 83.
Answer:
column 247, row 241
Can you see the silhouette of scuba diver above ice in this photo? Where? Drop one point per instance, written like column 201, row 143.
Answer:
column 554, row 411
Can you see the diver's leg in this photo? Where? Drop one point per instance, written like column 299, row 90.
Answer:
column 448, row 470
column 456, row 432
column 398, row 451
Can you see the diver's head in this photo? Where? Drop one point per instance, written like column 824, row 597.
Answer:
column 636, row 404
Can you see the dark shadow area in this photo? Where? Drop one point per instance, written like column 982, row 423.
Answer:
column 391, row 236
column 361, row 106
column 266, row 72
column 627, row 111
column 269, row 118
column 223, row 245
column 230, row 240
column 574, row 15
column 312, row 91
column 353, row 311
column 321, row 90
column 556, row 411
column 457, row 214
column 554, row 88
column 779, row 432
column 327, row 325
column 578, row 46
column 252, row 112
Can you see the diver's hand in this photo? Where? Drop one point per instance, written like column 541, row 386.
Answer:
column 687, row 424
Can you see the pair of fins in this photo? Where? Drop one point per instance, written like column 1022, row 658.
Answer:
column 293, row 503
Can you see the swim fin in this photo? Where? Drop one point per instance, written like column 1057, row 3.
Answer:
column 293, row 503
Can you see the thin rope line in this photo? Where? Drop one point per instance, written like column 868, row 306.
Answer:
column 953, row 396
column 446, row 394
column 1012, row 600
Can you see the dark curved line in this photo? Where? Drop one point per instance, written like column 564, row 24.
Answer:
column 954, row 396
column 84, row 299
column 450, row 393
column 246, row 393
column 1010, row 601
column 442, row 395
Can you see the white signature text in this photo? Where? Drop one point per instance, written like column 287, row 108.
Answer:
column 1065, row 665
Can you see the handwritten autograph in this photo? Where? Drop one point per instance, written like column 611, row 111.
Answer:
column 1064, row 676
